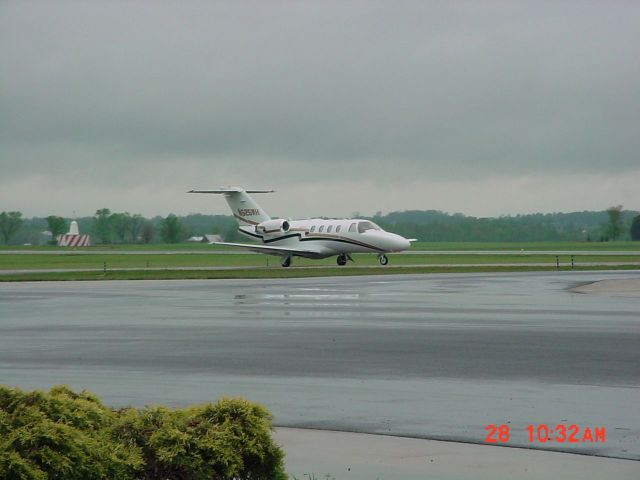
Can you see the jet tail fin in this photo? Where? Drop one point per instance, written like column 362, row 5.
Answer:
column 244, row 208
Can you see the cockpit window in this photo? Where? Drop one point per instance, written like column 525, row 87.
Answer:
column 364, row 226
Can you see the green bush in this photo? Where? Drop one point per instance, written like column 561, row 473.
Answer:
column 66, row 435
column 60, row 434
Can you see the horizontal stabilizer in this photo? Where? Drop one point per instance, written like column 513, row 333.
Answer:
column 230, row 190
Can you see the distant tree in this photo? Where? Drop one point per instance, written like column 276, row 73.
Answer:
column 231, row 234
column 635, row 228
column 10, row 223
column 135, row 225
column 171, row 229
column 57, row 225
column 615, row 221
column 148, row 231
column 102, row 225
column 121, row 224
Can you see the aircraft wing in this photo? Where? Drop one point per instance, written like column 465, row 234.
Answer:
column 265, row 248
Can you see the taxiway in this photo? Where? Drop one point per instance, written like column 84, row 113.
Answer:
column 432, row 356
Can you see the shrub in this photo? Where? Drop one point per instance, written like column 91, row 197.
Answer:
column 60, row 435
column 63, row 434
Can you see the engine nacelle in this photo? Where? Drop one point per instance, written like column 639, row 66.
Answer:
column 273, row 226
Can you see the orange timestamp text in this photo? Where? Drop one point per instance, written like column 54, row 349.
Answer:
column 543, row 433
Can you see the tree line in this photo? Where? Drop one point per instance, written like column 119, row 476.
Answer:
column 107, row 227
column 611, row 224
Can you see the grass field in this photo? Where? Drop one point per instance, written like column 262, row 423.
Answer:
column 299, row 272
column 121, row 263
column 15, row 261
column 69, row 261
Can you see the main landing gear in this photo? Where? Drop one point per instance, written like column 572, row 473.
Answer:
column 383, row 259
column 285, row 262
column 342, row 260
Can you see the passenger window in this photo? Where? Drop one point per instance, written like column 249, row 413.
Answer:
column 321, row 229
column 329, row 228
column 352, row 228
column 313, row 229
column 338, row 228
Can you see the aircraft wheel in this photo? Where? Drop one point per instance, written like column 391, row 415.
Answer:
column 342, row 260
column 286, row 262
column 383, row 259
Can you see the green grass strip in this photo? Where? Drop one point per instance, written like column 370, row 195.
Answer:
column 278, row 272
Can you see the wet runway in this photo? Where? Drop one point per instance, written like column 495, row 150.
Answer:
column 435, row 356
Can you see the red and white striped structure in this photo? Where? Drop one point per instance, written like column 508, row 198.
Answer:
column 68, row 240
column 73, row 238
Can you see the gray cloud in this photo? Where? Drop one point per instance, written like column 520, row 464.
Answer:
column 119, row 96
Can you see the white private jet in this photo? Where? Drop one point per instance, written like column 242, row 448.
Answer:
column 312, row 238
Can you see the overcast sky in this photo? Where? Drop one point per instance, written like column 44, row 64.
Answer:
column 484, row 108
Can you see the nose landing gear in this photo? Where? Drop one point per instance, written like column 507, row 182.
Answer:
column 383, row 259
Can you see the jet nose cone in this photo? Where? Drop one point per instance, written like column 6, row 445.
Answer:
column 404, row 244
column 400, row 243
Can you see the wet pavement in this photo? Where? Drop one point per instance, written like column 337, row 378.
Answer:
column 433, row 356
column 327, row 455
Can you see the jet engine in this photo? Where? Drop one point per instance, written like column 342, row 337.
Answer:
column 273, row 226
